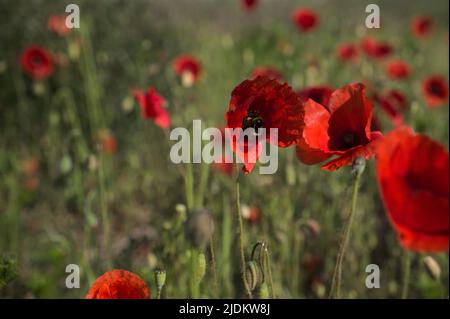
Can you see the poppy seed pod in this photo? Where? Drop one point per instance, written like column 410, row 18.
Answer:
column 432, row 267
column 199, row 228
column 160, row 278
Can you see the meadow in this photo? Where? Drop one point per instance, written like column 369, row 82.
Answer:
column 86, row 177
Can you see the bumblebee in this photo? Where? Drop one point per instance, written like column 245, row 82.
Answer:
column 252, row 120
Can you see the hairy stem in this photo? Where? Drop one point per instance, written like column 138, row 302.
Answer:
column 241, row 234
column 335, row 291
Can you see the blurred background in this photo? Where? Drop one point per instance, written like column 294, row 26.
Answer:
column 85, row 180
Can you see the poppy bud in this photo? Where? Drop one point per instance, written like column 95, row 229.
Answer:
column 264, row 291
column 253, row 274
column 358, row 166
column 160, row 278
column 199, row 228
column 432, row 267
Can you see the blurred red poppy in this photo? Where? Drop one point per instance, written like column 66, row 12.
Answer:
column 347, row 52
column 264, row 103
column 188, row 68
column 119, row 284
column 267, row 71
column 375, row 49
column 29, row 166
column 251, row 214
column 412, row 172
column 36, row 62
column 305, row 19
column 106, row 141
column 341, row 128
column 152, row 107
column 394, row 103
column 249, row 5
column 57, row 24
column 398, row 69
column 320, row 94
column 435, row 90
column 422, row 26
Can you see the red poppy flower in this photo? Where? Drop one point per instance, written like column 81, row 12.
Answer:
column 393, row 103
column 263, row 103
column 375, row 49
column 37, row 62
column 251, row 214
column 267, row 71
column 422, row 26
column 412, row 173
column 29, row 167
column 31, row 183
column 188, row 69
column 320, row 94
column 305, row 19
column 57, row 24
column 152, row 107
column 119, row 284
column 106, row 141
column 347, row 52
column 341, row 128
column 249, row 5
column 435, row 90
column 398, row 69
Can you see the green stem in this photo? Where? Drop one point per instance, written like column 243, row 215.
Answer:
column 241, row 234
column 189, row 186
column 337, row 275
column 269, row 272
column 406, row 273
column 104, row 214
column 213, row 262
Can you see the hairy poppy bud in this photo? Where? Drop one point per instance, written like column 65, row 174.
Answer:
column 432, row 267
column 253, row 274
column 199, row 228
column 264, row 291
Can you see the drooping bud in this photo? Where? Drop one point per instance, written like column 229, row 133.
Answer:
column 253, row 274
column 432, row 267
column 199, row 228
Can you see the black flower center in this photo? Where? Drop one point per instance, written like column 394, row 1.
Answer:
column 252, row 120
column 436, row 89
column 350, row 139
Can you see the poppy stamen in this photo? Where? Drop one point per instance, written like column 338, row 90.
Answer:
column 252, row 120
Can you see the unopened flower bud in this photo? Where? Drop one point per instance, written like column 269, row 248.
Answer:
column 253, row 274
column 199, row 228
column 264, row 291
